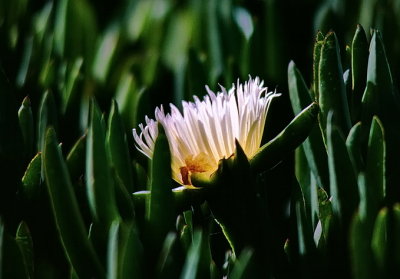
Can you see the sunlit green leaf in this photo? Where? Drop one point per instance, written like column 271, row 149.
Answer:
column 69, row 221
column 313, row 146
column 117, row 148
column 332, row 93
column 343, row 181
column 99, row 182
column 31, row 180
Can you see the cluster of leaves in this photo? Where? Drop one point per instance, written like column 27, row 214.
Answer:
column 348, row 215
column 67, row 210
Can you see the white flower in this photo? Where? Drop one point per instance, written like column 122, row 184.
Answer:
column 206, row 131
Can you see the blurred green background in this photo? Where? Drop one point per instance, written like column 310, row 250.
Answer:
column 143, row 53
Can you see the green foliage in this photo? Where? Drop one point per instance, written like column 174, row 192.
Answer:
column 78, row 200
column 360, row 183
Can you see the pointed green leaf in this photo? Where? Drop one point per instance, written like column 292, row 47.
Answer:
column 169, row 263
column 381, row 99
column 379, row 238
column 359, row 63
column 123, row 199
column 26, row 124
column 378, row 67
column 47, row 117
column 76, row 157
column 69, row 88
column 69, row 221
column 31, row 180
column 117, row 148
column 197, row 264
column 99, row 182
column 343, row 182
column 313, row 146
column 160, row 208
column 354, row 146
column 300, row 97
column 375, row 173
column 130, row 100
column 124, row 253
column 105, row 54
column 332, row 93
column 292, row 136
column 319, row 40
column 242, row 268
column 378, row 98
column 24, row 240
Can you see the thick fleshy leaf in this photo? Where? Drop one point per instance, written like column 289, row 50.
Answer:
column 160, row 208
column 381, row 99
column 24, row 240
column 47, row 118
column 363, row 265
column 170, row 261
column 378, row 98
column 69, row 90
column 319, row 40
column 117, row 148
column 68, row 218
column 242, row 268
column 300, row 96
column 332, row 93
column 306, row 244
column 99, row 182
column 379, row 242
column 26, row 124
column 124, row 252
column 197, row 264
column 123, row 199
column 354, row 146
column 291, row 137
column 106, row 50
column 313, row 146
column 112, row 251
column 359, row 62
column 130, row 252
column 32, row 178
column 343, row 181
column 76, row 158
column 375, row 166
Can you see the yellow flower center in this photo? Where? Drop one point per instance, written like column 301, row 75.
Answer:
column 199, row 163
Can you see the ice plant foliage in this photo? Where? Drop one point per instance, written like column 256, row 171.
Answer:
column 206, row 131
